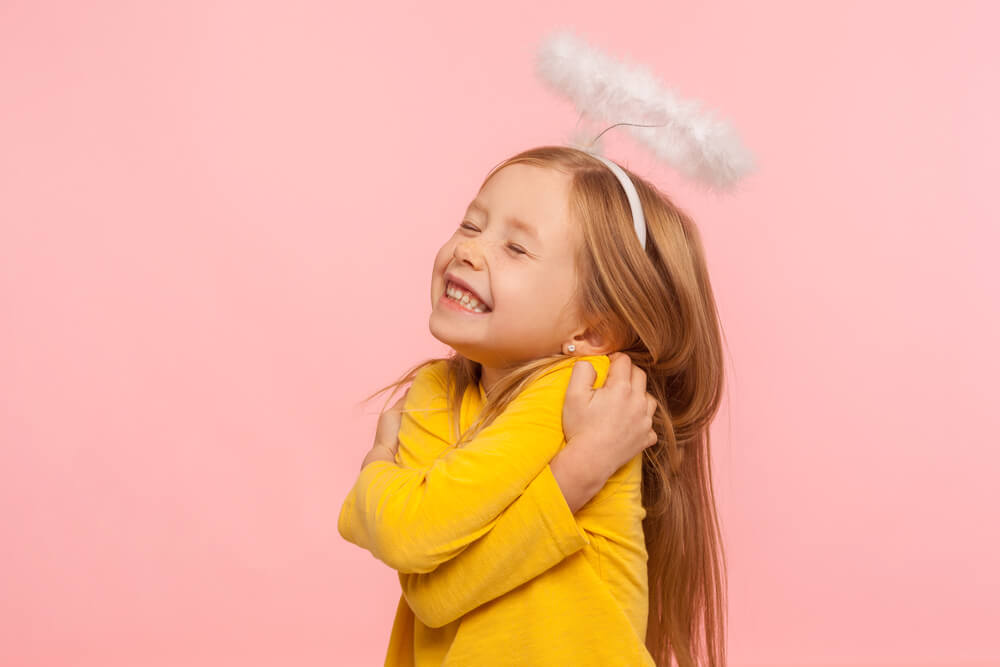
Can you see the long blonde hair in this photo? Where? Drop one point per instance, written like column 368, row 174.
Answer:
column 658, row 307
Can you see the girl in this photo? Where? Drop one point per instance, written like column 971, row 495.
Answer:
column 499, row 566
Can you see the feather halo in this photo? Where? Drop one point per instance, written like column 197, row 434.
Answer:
column 603, row 88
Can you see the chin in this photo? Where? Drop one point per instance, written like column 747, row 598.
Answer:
column 464, row 350
column 440, row 335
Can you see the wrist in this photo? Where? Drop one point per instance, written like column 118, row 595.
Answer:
column 587, row 455
column 575, row 480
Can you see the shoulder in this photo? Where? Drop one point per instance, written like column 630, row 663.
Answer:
column 600, row 362
column 541, row 400
column 434, row 373
column 429, row 384
column 555, row 380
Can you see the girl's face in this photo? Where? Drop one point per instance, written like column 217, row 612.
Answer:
column 514, row 248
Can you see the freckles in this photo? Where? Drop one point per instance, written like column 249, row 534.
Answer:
column 442, row 255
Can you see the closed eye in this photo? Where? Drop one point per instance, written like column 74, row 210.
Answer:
column 516, row 248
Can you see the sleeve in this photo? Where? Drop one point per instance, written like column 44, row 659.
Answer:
column 533, row 534
column 415, row 520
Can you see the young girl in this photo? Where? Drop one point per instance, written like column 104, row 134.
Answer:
column 498, row 562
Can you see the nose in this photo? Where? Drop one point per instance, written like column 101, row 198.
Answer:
column 468, row 251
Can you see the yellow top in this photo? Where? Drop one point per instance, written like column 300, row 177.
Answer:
column 494, row 567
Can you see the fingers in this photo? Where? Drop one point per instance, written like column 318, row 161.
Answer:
column 387, row 429
column 398, row 405
column 651, row 405
column 619, row 372
column 638, row 380
column 623, row 373
column 581, row 379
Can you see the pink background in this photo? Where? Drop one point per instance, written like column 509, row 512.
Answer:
column 217, row 222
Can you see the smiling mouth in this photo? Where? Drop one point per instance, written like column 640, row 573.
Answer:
column 463, row 303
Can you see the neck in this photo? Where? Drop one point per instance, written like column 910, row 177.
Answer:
column 490, row 376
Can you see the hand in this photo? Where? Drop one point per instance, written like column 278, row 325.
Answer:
column 386, row 435
column 608, row 426
column 387, row 431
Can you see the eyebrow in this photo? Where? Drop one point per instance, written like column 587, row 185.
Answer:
column 511, row 220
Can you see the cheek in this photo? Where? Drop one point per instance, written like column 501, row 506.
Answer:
column 552, row 294
column 441, row 259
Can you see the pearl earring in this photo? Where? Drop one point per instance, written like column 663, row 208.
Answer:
column 572, row 348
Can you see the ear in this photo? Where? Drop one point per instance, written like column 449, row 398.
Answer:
column 589, row 342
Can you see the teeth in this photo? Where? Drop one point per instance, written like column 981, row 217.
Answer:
column 464, row 298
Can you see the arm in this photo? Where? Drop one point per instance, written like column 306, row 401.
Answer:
column 378, row 453
column 577, row 485
column 414, row 520
column 536, row 532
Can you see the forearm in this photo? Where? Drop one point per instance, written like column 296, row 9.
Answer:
column 413, row 520
column 534, row 533
column 579, row 480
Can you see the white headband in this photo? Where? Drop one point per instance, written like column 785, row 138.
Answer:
column 638, row 219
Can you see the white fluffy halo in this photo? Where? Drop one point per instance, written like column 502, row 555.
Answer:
column 603, row 88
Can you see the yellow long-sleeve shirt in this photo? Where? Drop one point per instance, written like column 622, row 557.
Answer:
column 494, row 567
